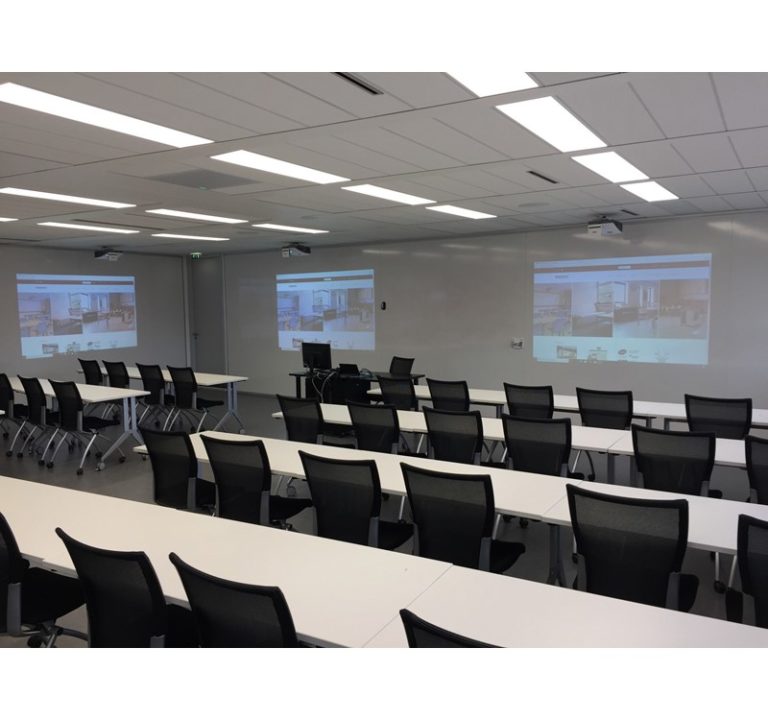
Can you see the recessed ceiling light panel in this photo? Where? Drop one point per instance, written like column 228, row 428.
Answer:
column 461, row 212
column 650, row 191
column 189, row 237
column 290, row 228
column 90, row 228
column 278, row 167
column 611, row 166
column 4, row 219
column 38, row 195
column 384, row 194
column 195, row 216
column 489, row 82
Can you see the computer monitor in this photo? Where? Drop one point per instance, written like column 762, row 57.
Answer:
column 316, row 356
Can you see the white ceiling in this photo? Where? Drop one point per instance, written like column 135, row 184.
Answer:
column 704, row 136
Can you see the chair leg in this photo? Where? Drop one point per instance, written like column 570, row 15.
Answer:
column 732, row 573
column 719, row 584
column 85, row 453
column 496, row 526
column 9, row 452
column 202, row 419
column 55, row 453
column 41, row 461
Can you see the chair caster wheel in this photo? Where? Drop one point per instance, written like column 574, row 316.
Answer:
column 523, row 522
column 9, row 453
column 144, row 458
column 99, row 454
column 99, row 467
column 122, row 459
column 49, row 465
column 591, row 477
column 574, row 558
column 41, row 463
column 79, row 471
column 35, row 641
column 5, row 435
column 506, row 518
column 719, row 586
column 19, row 455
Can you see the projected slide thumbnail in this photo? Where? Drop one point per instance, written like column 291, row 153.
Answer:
column 651, row 309
column 335, row 307
column 68, row 314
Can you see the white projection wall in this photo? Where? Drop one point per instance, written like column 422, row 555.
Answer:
column 335, row 307
column 652, row 309
column 67, row 314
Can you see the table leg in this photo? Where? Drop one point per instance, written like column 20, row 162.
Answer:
column 611, row 468
column 231, row 407
column 130, row 429
column 633, row 481
column 556, row 570
column 298, row 386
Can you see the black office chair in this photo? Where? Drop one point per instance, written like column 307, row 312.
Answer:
column 124, row 600
column 38, row 421
column 243, row 482
column 377, row 428
column 752, row 556
column 32, row 599
column 158, row 402
column 671, row 461
column 14, row 412
column 449, row 394
column 399, row 392
column 537, row 446
column 401, row 366
column 605, row 409
column 91, row 371
column 536, row 402
column 453, row 520
column 75, row 426
column 232, row 614
column 186, row 402
column 757, row 468
column 117, row 374
column 455, row 436
column 632, row 549
column 422, row 634
column 725, row 417
column 303, row 419
column 346, row 495
column 174, row 471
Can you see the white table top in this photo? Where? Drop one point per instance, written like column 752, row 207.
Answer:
column 88, row 393
column 510, row 612
column 727, row 452
column 203, row 379
column 339, row 593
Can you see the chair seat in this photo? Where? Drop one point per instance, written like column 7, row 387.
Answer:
column 46, row 595
column 181, row 630
column 281, row 508
column 394, row 534
column 504, row 555
column 91, row 423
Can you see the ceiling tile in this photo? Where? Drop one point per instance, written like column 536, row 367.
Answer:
column 743, row 97
column 707, row 153
column 745, row 201
column 751, row 146
column 731, row 181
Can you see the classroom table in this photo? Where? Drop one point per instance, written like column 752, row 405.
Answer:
column 373, row 377
column 339, row 594
column 101, row 394
column 510, row 612
column 204, row 379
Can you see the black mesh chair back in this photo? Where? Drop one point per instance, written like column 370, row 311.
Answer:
column 452, row 514
column 6, row 395
column 757, row 467
column 232, row 614
column 12, row 567
column 401, row 366
column 35, row 399
column 752, row 553
column 117, row 374
column 184, row 387
column 153, row 381
column 70, row 405
column 173, row 465
column 530, row 401
column 449, row 394
column 674, row 461
column 123, row 599
column 398, row 392
column 377, row 428
column 91, row 371
column 346, row 495
column 605, row 408
column 422, row 634
column 537, row 446
column 629, row 546
column 726, row 417
column 303, row 418
column 243, row 478
column 455, row 436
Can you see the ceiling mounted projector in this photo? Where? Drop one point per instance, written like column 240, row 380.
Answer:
column 295, row 250
column 111, row 255
column 605, row 228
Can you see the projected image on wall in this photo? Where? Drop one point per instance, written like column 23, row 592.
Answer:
column 641, row 309
column 335, row 307
column 68, row 314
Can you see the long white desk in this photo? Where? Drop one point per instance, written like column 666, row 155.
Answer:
column 339, row 593
column 203, row 379
column 510, row 612
column 101, row 394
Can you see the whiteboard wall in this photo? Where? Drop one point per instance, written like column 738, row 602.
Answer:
column 455, row 304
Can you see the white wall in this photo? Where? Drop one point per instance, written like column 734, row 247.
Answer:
column 159, row 306
column 455, row 304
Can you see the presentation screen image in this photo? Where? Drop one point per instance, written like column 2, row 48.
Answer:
column 335, row 307
column 651, row 309
column 69, row 314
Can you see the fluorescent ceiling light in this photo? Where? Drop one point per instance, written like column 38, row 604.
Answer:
column 462, row 212
column 650, row 191
column 195, row 216
column 488, row 82
column 2, row 219
column 189, row 237
column 289, row 228
column 611, row 166
column 92, row 228
column 278, row 167
column 63, row 198
column 385, row 194
column 80, row 112
column 548, row 119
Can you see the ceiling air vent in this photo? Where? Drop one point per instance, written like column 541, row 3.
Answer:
column 362, row 84
column 542, row 177
column 629, row 212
